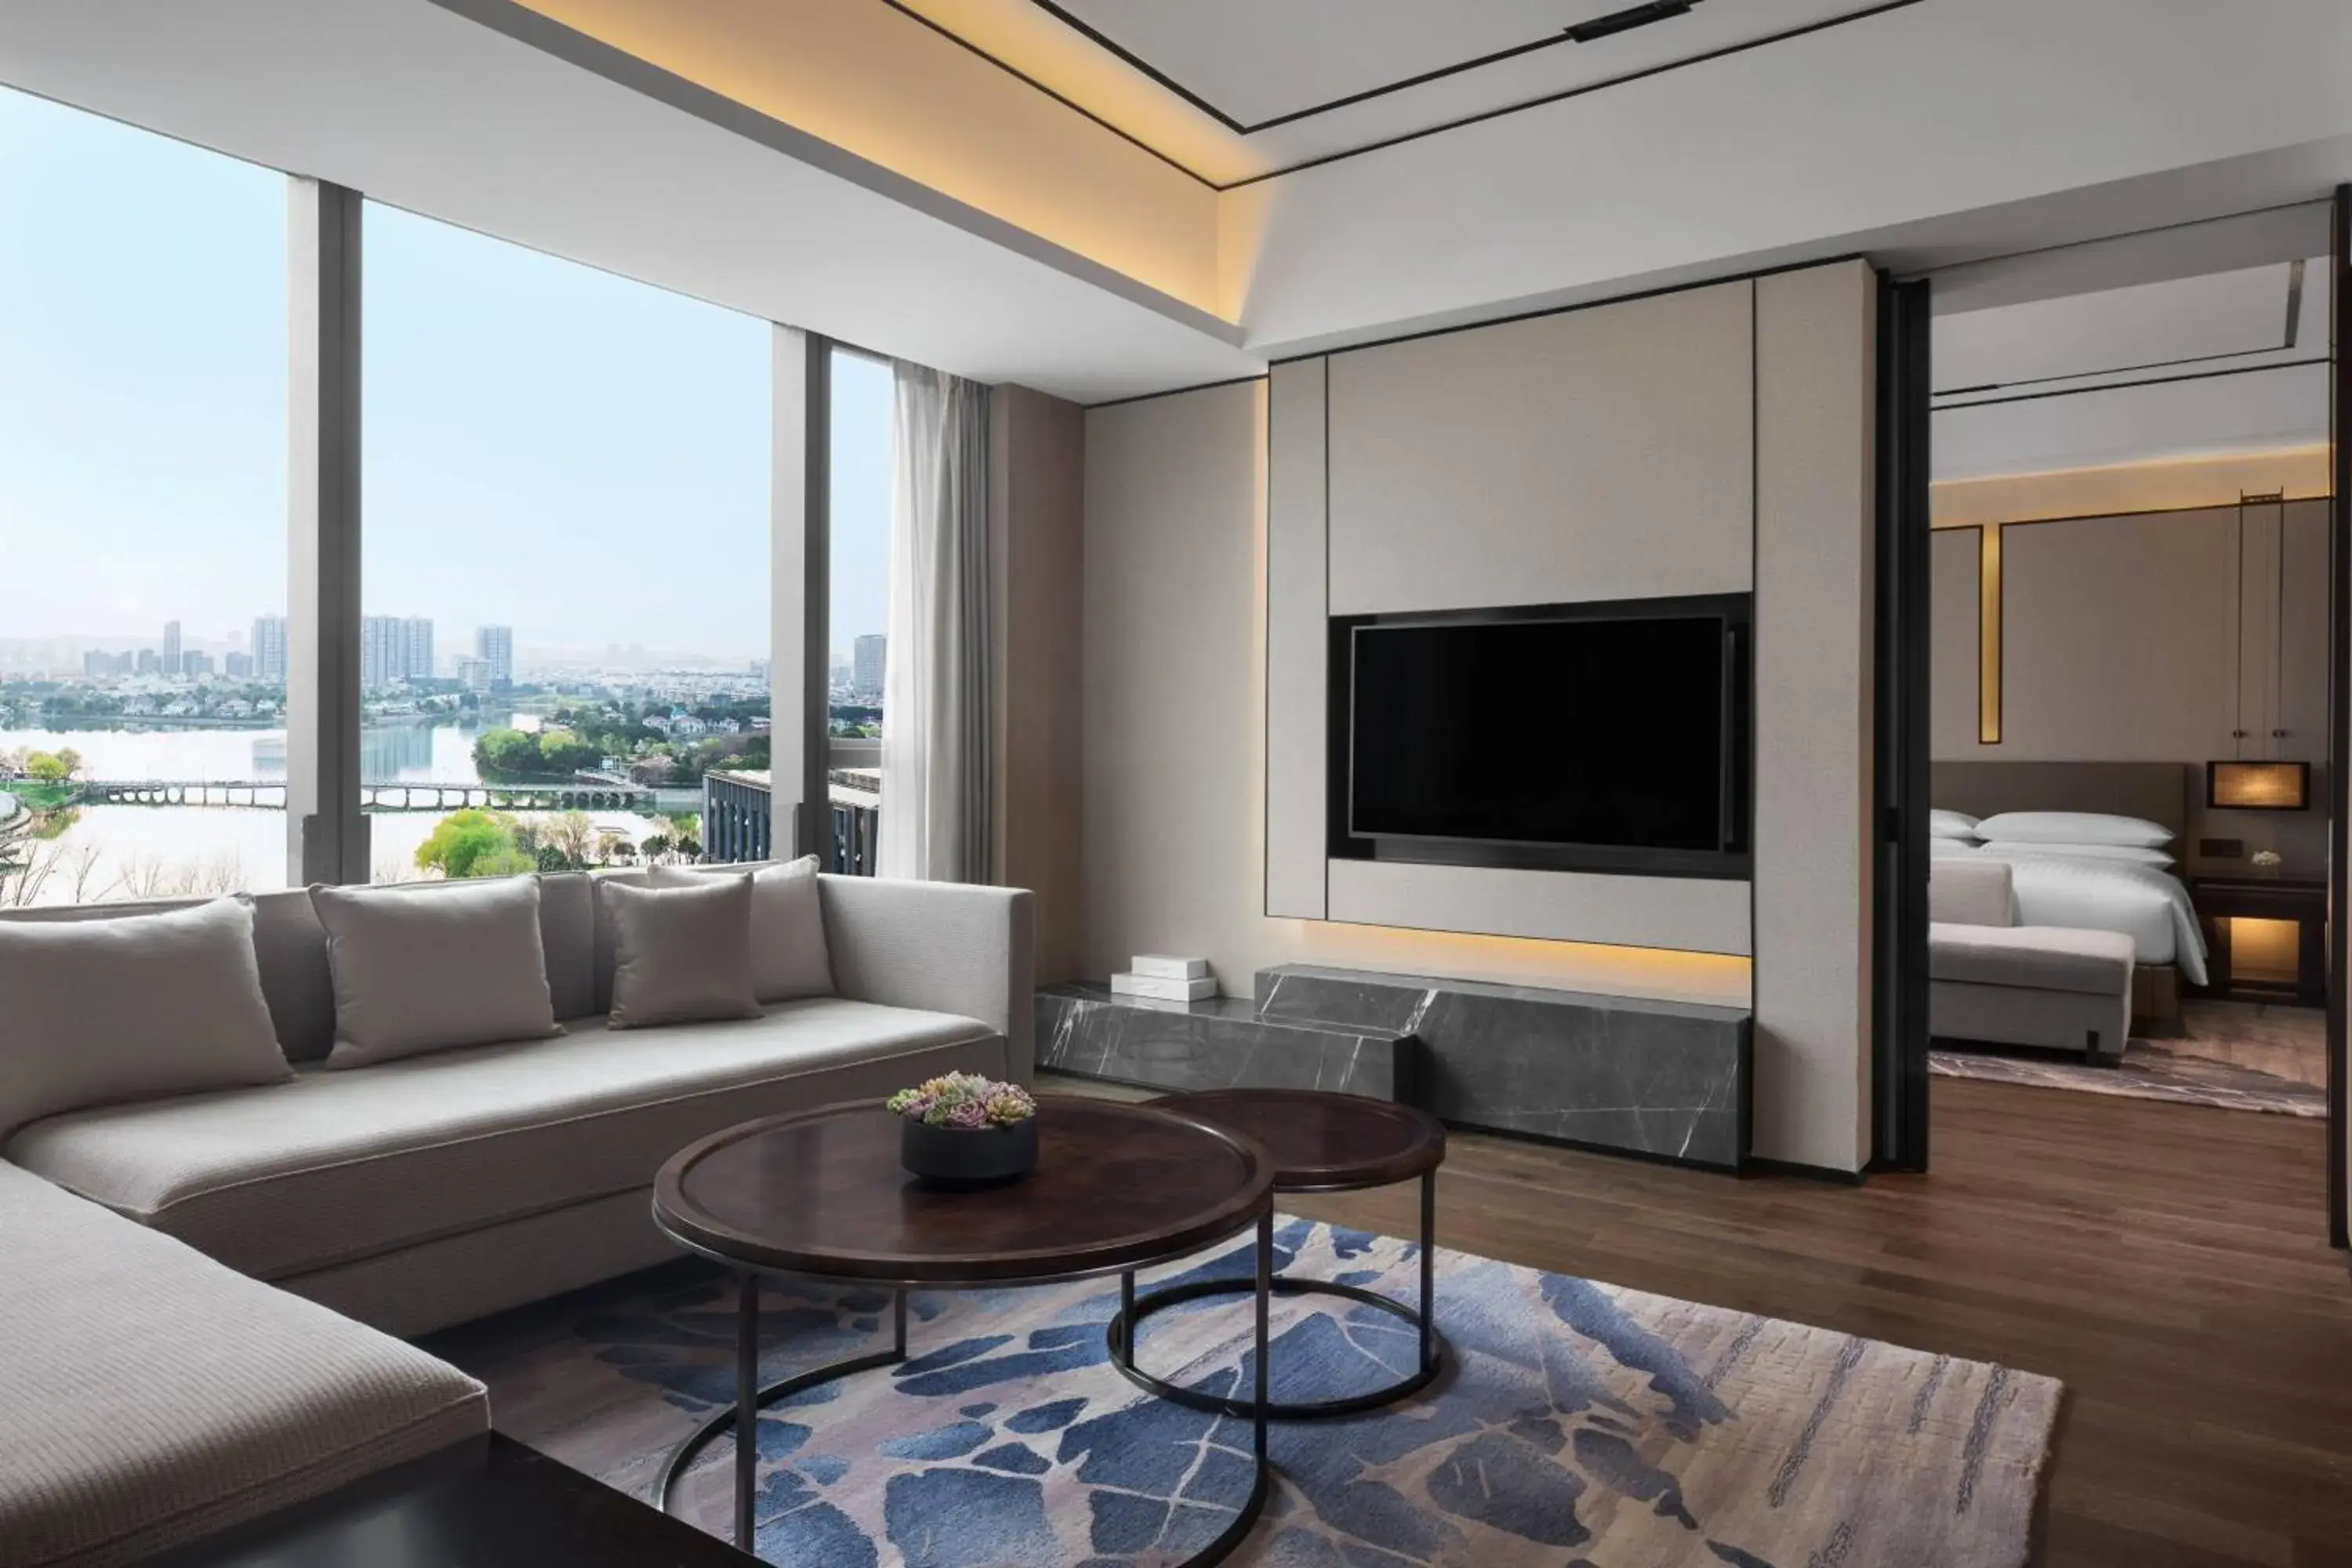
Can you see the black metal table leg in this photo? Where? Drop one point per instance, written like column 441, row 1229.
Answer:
column 1122, row 1333
column 747, row 1407
column 743, row 1415
column 1429, row 1271
column 751, row 1399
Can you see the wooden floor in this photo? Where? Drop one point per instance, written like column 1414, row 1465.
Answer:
column 2168, row 1263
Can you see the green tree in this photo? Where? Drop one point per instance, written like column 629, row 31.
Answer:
column 473, row 843
column 562, row 752
column 507, row 752
column 52, row 767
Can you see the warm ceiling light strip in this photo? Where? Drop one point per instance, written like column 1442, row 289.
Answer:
column 1989, row 636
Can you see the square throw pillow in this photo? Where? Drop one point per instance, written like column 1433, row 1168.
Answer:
column 681, row 954
column 789, row 957
column 95, row 1012
column 432, row 967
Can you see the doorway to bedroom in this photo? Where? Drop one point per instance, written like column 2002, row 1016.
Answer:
column 2131, row 592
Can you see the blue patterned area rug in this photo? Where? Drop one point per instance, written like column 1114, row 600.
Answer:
column 1581, row 1426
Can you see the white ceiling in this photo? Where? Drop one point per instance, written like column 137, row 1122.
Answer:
column 1943, row 130
column 2179, row 367
column 1244, row 62
column 2178, row 324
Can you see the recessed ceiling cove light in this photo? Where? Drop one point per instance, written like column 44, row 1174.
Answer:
column 1625, row 21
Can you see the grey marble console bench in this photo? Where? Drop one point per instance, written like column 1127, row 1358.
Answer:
column 1666, row 1080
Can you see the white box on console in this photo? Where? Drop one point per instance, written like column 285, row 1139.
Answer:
column 1163, row 987
column 1169, row 967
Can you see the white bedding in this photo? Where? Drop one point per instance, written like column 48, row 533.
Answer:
column 2145, row 904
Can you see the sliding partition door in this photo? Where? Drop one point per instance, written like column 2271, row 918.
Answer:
column 1899, row 1058
column 2339, row 737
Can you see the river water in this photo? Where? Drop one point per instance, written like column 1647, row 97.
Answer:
column 145, row 851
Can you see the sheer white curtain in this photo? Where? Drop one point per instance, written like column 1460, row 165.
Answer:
column 936, row 804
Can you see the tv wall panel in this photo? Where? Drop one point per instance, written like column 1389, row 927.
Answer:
column 1297, row 564
column 1689, row 914
column 1597, row 454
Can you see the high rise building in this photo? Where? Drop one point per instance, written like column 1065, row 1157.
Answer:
column 270, row 647
column 869, row 661
column 394, row 648
column 237, row 665
column 379, row 651
column 416, row 648
column 96, row 662
column 150, row 663
column 171, row 648
column 494, row 646
column 195, row 663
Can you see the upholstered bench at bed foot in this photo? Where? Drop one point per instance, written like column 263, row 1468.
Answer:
column 2053, row 987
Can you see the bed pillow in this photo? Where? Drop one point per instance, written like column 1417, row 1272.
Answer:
column 2125, row 854
column 788, row 951
column 420, row 969
column 1951, row 824
column 1938, row 848
column 681, row 954
column 133, row 1007
column 2073, row 827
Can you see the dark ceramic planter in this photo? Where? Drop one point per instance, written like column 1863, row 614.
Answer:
column 960, row 1157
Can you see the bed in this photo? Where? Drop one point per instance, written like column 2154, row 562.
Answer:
column 2149, row 905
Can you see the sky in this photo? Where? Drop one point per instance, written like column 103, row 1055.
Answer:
column 578, row 456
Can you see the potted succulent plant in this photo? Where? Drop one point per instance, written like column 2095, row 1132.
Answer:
column 964, row 1130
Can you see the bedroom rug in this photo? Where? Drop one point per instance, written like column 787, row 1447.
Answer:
column 2239, row 1056
column 1582, row 1424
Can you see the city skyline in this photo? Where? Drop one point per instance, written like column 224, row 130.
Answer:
column 533, row 427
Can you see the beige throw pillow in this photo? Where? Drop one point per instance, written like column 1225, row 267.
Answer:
column 681, row 954
column 429, row 968
column 94, row 1012
column 788, row 953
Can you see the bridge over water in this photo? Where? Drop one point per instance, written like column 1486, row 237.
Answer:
column 271, row 794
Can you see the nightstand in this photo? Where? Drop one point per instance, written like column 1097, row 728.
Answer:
column 2264, row 964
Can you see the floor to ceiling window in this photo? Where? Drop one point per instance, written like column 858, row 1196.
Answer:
column 863, row 414
column 565, row 586
column 143, row 513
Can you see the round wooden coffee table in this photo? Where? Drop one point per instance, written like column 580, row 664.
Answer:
column 1320, row 1142
column 819, row 1194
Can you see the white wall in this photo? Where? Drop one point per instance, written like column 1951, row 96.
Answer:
column 1596, row 454
column 2150, row 638
column 1599, row 454
column 1175, row 728
column 1816, row 516
column 1036, row 463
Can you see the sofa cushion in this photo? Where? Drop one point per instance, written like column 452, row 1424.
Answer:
column 96, row 1012
column 456, row 964
column 681, row 954
column 788, row 954
column 337, row 1167
column 2032, row 958
column 148, row 1395
column 1972, row 892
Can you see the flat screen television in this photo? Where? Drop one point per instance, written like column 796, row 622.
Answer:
column 1608, row 736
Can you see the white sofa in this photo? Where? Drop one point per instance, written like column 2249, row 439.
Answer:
column 408, row 1196
column 1993, row 980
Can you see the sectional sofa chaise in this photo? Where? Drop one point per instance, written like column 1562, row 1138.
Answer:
column 198, row 1294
